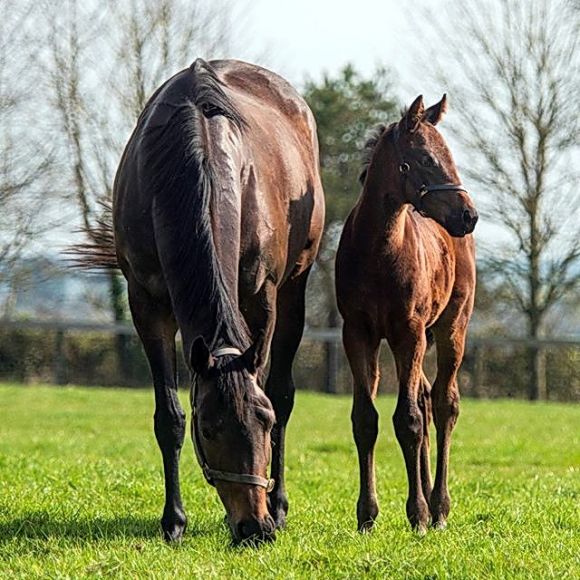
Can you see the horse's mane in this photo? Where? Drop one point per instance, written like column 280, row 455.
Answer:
column 177, row 168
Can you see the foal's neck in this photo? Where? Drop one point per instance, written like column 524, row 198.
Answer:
column 382, row 207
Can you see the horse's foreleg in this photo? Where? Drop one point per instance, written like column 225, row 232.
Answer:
column 156, row 327
column 362, row 350
column 409, row 422
column 280, row 385
column 445, row 412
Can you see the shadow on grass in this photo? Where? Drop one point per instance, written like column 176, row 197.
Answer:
column 42, row 525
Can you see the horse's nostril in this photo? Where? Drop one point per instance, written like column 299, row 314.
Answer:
column 254, row 530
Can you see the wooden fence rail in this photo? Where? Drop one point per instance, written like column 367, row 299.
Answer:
column 479, row 346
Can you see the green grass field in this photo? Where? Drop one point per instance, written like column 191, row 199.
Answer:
column 81, row 492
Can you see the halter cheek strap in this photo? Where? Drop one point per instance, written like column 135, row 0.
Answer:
column 423, row 189
column 213, row 475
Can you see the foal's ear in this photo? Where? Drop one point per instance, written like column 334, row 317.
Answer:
column 200, row 358
column 436, row 113
column 414, row 115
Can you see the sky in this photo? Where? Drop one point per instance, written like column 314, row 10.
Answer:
column 307, row 37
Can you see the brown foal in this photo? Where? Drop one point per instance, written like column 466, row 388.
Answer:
column 405, row 271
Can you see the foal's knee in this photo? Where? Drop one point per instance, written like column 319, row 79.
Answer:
column 408, row 423
column 446, row 408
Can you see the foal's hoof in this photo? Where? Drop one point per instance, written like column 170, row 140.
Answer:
column 439, row 525
column 420, row 530
column 173, row 529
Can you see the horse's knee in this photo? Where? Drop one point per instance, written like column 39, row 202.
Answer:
column 281, row 395
column 365, row 424
column 169, row 428
column 408, row 424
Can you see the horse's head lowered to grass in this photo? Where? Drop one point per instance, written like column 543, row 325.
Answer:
column 231, row 429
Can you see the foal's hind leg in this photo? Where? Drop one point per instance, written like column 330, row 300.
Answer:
column 280, row 384
column 450, row 347
column 426, row 411
column 362, row 350
column 156, row 327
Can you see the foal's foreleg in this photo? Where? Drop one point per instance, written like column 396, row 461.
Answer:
column 156, row 327
column 409, row 422
column 362, row 350
column 445, row 412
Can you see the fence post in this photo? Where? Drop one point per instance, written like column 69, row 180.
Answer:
column 331, row 363
column 478, row 370
column 59, row 360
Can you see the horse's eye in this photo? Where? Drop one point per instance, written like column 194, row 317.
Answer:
column 206, row 433
column 427, row 161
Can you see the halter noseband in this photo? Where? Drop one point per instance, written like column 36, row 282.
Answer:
column 213, row 475
column 423, row 189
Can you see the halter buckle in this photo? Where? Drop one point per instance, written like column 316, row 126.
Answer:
column 404, row 168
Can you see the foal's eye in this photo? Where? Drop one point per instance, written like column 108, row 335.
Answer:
column 427, row 161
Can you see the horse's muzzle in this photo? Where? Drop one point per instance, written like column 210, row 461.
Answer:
column 254, row 531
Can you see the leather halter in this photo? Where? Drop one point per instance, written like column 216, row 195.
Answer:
column 423, row 189
column 213, row 475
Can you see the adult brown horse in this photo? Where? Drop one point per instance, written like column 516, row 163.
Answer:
column 218, row 211
column 405, row 269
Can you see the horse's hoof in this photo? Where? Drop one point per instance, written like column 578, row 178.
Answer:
column 173, row 530
column 440, row 525
column 366, row 527
column 279, row 517
column 420, row 530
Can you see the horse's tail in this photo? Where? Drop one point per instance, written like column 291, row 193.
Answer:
column 98, row 251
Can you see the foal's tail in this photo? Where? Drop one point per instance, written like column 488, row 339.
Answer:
column 98, row 251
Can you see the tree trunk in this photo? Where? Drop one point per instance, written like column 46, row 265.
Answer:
column 536, row 364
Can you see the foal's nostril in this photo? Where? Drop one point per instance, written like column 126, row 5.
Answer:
column 470, row 218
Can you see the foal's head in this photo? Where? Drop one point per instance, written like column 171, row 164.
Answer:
column 426, row 171
column 231, row 429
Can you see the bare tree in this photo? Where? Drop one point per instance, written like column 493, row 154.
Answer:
column 512, row 68
column 23, row 159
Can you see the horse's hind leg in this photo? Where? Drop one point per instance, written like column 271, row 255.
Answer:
column 426, row 411
column 156, row 327
column 280, row 384
column 450, row 347
column 362, row 350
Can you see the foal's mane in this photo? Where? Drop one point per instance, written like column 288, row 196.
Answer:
column 373, row 137
column 177, row 168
